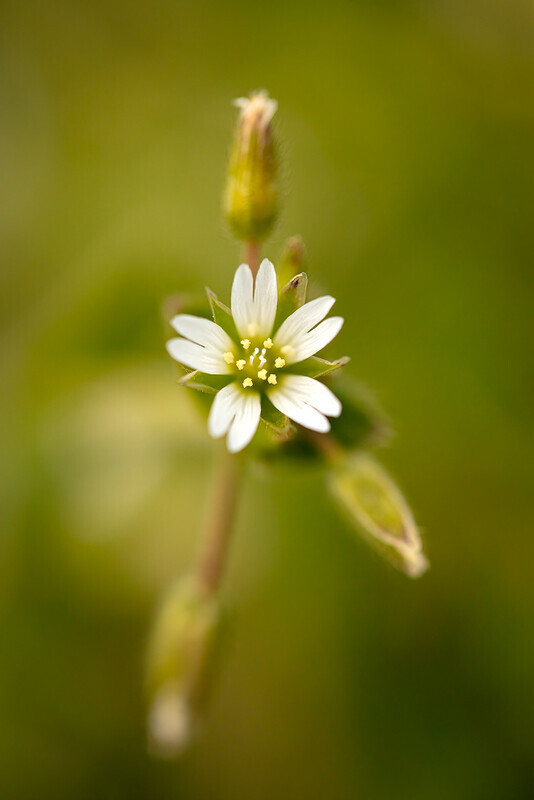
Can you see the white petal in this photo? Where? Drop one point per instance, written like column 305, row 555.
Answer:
column 197, row 357
column 223, row 410
column 202, row 331
column 314, row 393
column 306, row 401
column 299, row 411
column 303, row 319
column 242, row 301
column 307, row 344
column 245, row 421
column 254, row 306
column 265, row 297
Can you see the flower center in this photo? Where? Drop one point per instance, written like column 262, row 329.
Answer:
column 257, row 363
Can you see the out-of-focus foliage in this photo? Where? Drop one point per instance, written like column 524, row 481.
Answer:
column 406, row 132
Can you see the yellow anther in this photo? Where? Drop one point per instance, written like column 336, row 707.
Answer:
column 245, row 343
column 228, row 357
column 272, row 379
column 279, row 363
column 268, row 343
column 262, row 374
column 241, row 363
column 247, row 382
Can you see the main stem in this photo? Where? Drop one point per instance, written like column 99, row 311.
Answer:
column 221, row 515
column 225, row 492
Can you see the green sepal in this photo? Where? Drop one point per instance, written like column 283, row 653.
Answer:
column 292, row 259
column 362, row 423
column 292, row 296
column 274, row 418
column 222, row 315
column 315, row 367
column 378, row 511
column 202, row 382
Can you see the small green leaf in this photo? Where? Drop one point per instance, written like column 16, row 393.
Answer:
column 378, row 511
column 202, row 382
column 315, row 367
column 292, row 296
column 222, row 315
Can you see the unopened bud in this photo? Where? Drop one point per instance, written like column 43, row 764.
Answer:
column 180, row 660
column 379, row 512
column 251, row 196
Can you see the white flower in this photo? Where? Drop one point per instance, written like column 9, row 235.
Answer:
column 262, row 364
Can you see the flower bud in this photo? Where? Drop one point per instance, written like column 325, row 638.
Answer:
column 379, row 512
column 251, row 196
column 181, row 656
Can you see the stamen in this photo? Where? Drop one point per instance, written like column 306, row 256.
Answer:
column 272, row 379
column 245, row 343
column 228, row 357
column 241, row 363
column 268, row 343
column 262, row 374
column 247, row 382
column 279, row 363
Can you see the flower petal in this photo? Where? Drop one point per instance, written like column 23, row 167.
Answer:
column 223, row 410
column 299, row 411
column 197, row 357
column 237, row 413
column 242, row 301
column 245, row 422
column 303, row 319
column 314, row 393
column 202, row 331
column 307, row 344
column 306, row 401
column 254, row 306
column 265, row 297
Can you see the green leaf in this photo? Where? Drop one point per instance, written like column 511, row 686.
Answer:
column 222, row 315
column 292, row 296
column 202, row 382
column 378, row 511
column 315, row 367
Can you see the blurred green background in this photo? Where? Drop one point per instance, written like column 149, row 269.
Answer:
column 406, row 133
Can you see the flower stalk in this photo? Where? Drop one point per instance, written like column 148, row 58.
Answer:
column 219, row 524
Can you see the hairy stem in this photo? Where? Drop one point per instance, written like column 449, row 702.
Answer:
column 218, row 531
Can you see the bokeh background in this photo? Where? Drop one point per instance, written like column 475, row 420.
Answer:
column 406, row 133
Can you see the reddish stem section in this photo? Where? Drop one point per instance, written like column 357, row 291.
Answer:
column 220, row 521
column 253, row 256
